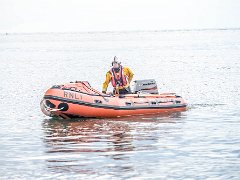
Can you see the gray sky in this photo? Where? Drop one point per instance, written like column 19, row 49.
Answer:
column 110, row 15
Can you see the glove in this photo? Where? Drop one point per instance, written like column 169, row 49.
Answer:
column 104, row 92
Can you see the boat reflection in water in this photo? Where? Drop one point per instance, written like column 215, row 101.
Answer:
column 102, row 146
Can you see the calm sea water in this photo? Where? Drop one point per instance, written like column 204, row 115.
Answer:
column 201, row 143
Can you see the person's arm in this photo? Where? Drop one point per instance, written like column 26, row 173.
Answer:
column 129, row 74
column 106, row 82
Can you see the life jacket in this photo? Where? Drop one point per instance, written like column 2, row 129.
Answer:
column 119, row 78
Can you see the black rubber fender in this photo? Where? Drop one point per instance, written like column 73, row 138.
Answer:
column 63, row 106
column 50, row 104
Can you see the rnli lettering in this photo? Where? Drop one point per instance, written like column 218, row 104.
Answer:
column 72, row 95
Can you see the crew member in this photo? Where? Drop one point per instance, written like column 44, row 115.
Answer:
column 120, row 77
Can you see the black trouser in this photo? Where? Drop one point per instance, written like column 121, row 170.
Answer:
column 123, row 91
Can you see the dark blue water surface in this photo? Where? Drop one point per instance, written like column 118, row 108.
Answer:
column 201, row 143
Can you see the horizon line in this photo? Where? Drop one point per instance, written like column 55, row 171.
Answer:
column 122, row 31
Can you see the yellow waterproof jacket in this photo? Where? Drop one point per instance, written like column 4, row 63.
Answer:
column 109, row 77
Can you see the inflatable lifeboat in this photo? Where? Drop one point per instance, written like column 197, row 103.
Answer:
column 79, row 99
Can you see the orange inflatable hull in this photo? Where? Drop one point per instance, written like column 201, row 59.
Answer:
column 79, row 99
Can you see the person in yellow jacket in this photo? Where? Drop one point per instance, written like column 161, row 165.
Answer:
column 120, row 77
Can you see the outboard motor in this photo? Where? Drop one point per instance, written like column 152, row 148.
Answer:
column 145, row 86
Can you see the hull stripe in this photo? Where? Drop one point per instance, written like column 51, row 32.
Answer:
column 112, row 106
